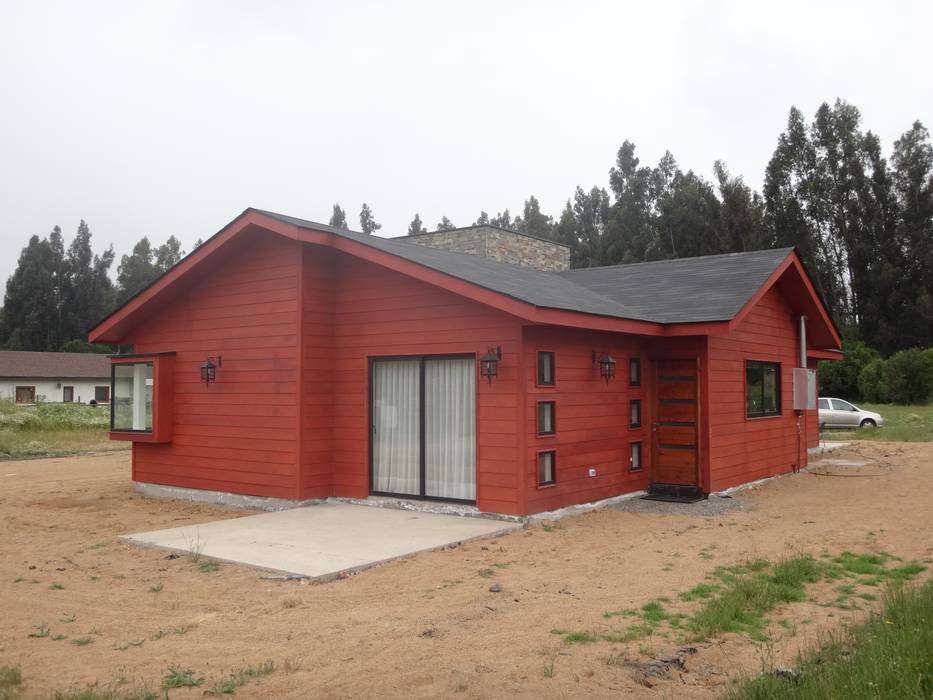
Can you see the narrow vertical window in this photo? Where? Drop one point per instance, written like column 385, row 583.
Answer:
column 634, row 371
column 546, row 424
column 545, row 369
column 547, row 463
column 635, row 457
column 634, row 413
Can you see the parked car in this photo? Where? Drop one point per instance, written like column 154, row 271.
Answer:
column 836, row 413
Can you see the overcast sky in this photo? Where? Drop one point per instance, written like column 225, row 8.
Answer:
column 170, row 117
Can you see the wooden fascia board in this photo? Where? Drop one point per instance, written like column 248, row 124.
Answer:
column 824, row 354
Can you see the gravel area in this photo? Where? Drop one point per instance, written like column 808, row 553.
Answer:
column 712, row 506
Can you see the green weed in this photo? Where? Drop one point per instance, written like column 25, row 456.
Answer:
column 181, row 678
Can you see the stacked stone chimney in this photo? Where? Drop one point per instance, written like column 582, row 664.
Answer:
column 498, row 244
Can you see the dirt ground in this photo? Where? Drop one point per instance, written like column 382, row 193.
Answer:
column 426, row 626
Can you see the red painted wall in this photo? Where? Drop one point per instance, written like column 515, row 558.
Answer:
column 592, row 417
column 384, row 313
column 745, row 449
column 240, row 433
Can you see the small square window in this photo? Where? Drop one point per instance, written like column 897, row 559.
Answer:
column 545, row 369
column 547, row 463
column 634, row 372
column 635, row 457
column 546, row 424
column 634, row 413
column 102, row 394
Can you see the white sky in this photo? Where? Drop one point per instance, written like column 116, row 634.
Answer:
column 160, row 118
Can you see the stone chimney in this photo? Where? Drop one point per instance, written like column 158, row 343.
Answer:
column 498, row 244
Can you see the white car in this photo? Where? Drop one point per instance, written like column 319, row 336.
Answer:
column 836, row 413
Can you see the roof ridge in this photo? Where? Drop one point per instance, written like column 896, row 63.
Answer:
column 672, row 260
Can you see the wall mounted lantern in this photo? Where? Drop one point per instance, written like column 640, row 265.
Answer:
column 489, row 363
column 607, row 365
column 209, row 369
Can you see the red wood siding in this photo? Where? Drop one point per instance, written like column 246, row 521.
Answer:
column 591, row 417
column 317, row 372
column 384, row 313
column 240, row 433
column 745, row 449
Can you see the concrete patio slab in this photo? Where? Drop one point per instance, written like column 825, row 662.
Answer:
column 322, row 541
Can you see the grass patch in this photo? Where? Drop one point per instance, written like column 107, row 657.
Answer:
column 40, row 631
column 180, row 678
column 701, row 591
column 888, row 656
column 486, row 573
column 50, row 429
column 10, row 679
column 902, row 424
column 156, row 587
column 208, row 566
column 229, row 684
column 82, row 641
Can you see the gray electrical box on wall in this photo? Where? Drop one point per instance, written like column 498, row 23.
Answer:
column 804, row 389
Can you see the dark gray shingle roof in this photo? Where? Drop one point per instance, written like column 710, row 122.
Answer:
column 687, row 290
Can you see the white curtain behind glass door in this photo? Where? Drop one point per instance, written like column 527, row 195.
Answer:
column 396, row 429
column 450, row 428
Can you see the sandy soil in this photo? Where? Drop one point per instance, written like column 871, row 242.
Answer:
column 426, row 626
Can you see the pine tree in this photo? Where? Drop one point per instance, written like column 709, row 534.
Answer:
column 339, row 218
column 168, row 255
column 32, row 306
column 367, row 223
column 482, row 219
column 89, row 294
column 136, row 271
column 445, row 224
column 416, row 226
column 533, row 222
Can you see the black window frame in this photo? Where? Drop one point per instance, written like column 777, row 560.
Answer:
column 553, row 430
column 632, row 404
column 553, row 454
column 633, row 448
column 761, row 366
column 539, row 375
column 109, row 390
column 113, row 404
column 634, row 368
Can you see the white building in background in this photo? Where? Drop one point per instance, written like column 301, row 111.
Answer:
column 54, row 377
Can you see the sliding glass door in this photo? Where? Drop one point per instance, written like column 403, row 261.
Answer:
column 424, row 427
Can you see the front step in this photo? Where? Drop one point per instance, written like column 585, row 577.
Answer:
column 674, row 493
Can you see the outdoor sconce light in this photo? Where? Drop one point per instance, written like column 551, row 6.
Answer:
column 209, row 369
column 489, row 363
column 607, row 366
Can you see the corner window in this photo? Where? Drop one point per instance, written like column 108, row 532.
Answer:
column 762, row 389
column 635, row 457
column 546, row 418
column 545, row 369
column 634, row 372
column 634, row 413
column 547, row 464
column 132, row 397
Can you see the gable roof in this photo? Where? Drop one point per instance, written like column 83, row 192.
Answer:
column 18, row 364
column 648, row 298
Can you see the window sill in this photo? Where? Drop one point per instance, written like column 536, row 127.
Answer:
column 551, row 485
column 770, row 415
column 545, row 436
column 137, row 436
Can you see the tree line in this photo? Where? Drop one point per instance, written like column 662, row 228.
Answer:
column 56, row 294
column 863, row 224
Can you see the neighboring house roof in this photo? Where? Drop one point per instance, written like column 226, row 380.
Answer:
column 19, row 364
column 650, row 297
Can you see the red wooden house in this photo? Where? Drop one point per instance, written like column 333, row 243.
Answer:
column 287, row 359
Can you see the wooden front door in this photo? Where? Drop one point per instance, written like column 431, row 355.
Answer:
column 676, row 458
